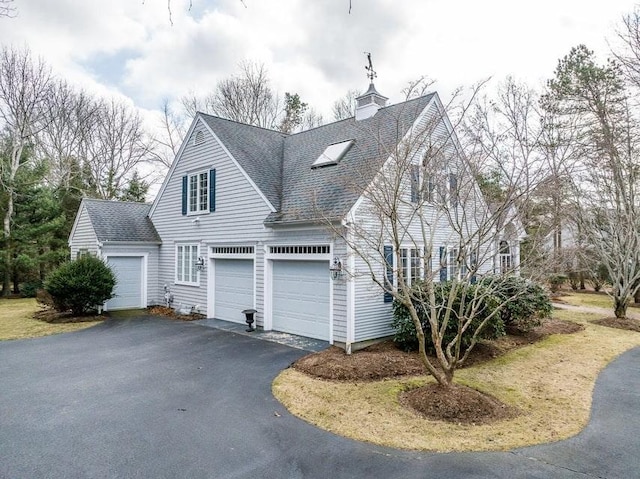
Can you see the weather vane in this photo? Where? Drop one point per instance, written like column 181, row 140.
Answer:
column 371, row 73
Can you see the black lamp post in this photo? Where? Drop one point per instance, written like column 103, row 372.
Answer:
column 249, row 314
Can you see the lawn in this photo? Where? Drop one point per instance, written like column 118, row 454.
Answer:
column 597, row 300
column 17, row 322
column 551, row 382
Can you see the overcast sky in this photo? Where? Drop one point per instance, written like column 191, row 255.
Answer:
column 312, row 47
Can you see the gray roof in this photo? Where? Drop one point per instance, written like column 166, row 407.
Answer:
column 258, row 150
column 280, row 165
column 121, row 221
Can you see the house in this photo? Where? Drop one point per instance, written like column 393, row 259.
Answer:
column 253, row 218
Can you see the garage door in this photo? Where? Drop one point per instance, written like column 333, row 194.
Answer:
column 128, row 290
column 301, row 298
column 234, row 288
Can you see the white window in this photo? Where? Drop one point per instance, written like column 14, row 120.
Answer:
column 198, row 192
column 506, row 260
column 454, row 265
column 411, row 263
column 186, row 267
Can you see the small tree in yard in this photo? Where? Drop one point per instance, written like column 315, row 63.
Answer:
column 81, row 285
column 423, row 223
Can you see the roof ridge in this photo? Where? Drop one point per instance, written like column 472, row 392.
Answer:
column 243, row 124
column 102, row 200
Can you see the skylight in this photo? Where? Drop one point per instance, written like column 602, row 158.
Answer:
column 333, row 154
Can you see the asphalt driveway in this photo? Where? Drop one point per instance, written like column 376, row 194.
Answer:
column 154, row 398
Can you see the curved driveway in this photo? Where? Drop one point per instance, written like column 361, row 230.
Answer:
column 153, row 398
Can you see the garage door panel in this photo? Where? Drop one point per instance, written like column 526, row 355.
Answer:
column 301, row 298
column 233, row 285
column 129, row 287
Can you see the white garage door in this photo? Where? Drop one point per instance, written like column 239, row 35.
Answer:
column 234, row 288
column 128, row 290
column 301, row 298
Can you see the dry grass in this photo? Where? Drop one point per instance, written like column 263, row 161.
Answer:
column 16, row 321
column 551, row 382
column 588, row 299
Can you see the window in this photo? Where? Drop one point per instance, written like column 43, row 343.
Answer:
column 454, row 265
column 333, row 154
column 199, row 138
column 82, row 252
column 198, row 192
column 411, row 263
column 186, row 268
column 422, row 185
column 506, row 260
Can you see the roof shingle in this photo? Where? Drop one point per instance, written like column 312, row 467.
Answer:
column 121, row 221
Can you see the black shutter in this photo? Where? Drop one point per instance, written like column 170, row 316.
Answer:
column 184, row 194
column 474, row 263
column 212, row 190
column 453, row 189
column 443, row 264
column 388, row 259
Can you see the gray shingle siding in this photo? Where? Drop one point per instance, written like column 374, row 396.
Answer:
column 84, row 236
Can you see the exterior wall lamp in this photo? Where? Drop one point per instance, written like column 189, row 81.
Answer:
column 200, row 263
column 336, row 268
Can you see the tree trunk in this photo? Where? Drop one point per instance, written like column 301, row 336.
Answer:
column 620, row 308
column 636, row 298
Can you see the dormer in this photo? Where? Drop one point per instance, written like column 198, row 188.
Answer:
column 369, row 103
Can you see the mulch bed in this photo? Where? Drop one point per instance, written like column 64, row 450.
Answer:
column 173, row 314
column 385, row 360
column 55, row 317
column 628, row 324
column 457, row 404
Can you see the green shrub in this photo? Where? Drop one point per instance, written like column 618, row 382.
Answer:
column 30, row 289
column 80, row 285
column 524, row 303
column 556, row 281
column 599, row 277
column 405, row 333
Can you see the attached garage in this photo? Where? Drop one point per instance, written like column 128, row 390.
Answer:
column 233, row 283
column 301, row 298
column 130, row 286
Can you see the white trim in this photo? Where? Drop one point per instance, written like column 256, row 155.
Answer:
column 198, row 174
column 269, row 258
column 211, row 279
column 175, row 264
column 143, row 276
column 351, row 292
column 268, row 292
column 76, row 221
column 211, row 287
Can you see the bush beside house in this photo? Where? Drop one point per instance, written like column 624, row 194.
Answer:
column 81, row 285
column 523, row 305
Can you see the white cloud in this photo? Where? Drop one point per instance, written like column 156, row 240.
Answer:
column 312, row 48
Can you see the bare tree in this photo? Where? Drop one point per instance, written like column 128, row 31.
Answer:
column 63, row 143
column 423, row 220
column 7, row 9
column 24, row 86
column 246, row 98
column 607, row 132
column 168, row 141
column 345, row 107
column 117, row 145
